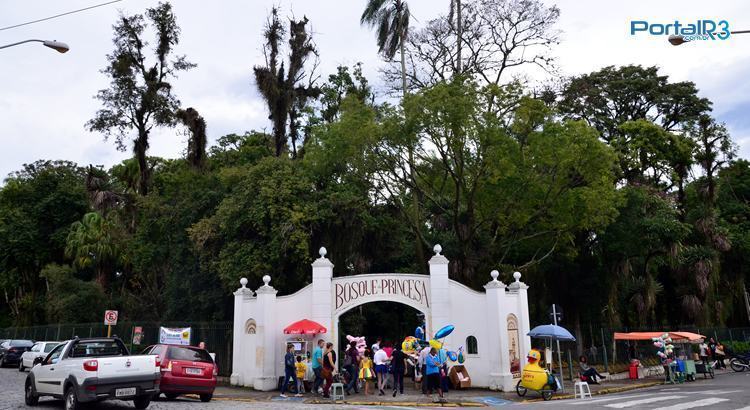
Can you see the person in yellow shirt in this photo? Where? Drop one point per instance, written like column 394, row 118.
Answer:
column 301, row 368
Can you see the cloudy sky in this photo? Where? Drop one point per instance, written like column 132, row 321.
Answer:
column 46, row 97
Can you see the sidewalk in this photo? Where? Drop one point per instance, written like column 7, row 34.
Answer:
column 414, row 398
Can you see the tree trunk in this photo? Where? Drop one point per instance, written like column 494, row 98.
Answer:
column 141, row 146
column 459, row 33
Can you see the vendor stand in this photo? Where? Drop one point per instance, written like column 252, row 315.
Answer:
column 680, row 369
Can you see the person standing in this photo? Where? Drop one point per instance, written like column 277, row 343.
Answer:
column 317, row 366
column 376, row 346
column 720, row 355
column 703, row 353
column 422, row 363
column 365, row 372
column 712, row 348
column 381, row 369
column 289, row 369
column 301, row 369
column 433, row 365
column 329, row 368
column 351, row 364
column 398, row 367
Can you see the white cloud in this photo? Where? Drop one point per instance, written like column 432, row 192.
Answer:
column 46, row 97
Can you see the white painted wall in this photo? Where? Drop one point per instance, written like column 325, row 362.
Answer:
column 258, row 358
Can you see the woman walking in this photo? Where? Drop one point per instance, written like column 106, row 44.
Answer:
column 329, row 368
column 381, row 360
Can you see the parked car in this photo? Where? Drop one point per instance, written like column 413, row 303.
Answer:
column 91, row 370
column 11, row 351
column 185, row 370
column 40, row 349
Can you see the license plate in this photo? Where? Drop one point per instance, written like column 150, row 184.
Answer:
column 130, row 391
column 193, row 370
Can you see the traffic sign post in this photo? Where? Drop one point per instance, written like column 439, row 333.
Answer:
column 110, row 319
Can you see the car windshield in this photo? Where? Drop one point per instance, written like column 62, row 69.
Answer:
column 97, row 348
column 22, row 343
column 49, row 346
column 191, row 354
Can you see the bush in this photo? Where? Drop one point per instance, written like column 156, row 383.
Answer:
column 737, row 347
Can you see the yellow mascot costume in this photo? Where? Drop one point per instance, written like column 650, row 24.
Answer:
column 534, row 377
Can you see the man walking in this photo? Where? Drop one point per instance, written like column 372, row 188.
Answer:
column 422, row 363
column 398, row 367
column 289, row 370
column 317, row 365
column 351, row 364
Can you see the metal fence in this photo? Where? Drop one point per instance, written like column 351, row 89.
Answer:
column 216, row 335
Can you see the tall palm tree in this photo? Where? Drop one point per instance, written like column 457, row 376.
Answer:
column 391, row 20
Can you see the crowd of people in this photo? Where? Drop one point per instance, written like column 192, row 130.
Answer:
column 374, row 369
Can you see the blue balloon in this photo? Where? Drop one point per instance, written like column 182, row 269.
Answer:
column 453, row 356
column 419, row 333
column 444, row 331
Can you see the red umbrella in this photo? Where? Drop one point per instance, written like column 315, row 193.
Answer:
column 304, row 327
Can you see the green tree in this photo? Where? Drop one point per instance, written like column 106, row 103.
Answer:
column 37, row 206
column 140, row 94
column 94, row 242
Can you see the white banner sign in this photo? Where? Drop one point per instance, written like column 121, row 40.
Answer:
column 174, row 336
column 350, row 291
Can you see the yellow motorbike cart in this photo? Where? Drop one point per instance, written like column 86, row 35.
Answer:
column 536, row 378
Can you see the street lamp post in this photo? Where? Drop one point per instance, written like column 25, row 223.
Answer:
column 676, row 40
column 58, row 46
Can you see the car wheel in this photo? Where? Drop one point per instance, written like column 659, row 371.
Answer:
column 20, row 366
column 71, row 399
column 30, row 396
column 170, row 396
column 206, row 397
column 142, row 402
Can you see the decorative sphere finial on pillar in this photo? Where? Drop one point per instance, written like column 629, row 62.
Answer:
column 437, row 249
column 323, row 251
column 266, row 280
column 494, row 274
column 517, row 276
column 243, row 282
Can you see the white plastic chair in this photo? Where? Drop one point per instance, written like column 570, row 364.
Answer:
column 581, row 389
column 337, row 387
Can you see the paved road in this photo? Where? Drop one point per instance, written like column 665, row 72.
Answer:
column 11, row 397
column 729, row 391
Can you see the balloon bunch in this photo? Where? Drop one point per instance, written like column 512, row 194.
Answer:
column 412, row 344
column 664, row 345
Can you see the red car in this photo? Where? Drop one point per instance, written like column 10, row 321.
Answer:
column 185, row 370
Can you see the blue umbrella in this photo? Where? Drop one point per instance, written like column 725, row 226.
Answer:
column 551, row 332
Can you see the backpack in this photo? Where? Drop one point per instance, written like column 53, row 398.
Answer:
column 347, row 359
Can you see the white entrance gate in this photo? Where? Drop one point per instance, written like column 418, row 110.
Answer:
column 261, row 316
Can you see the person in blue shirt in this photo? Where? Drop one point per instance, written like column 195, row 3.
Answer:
column 317, row 365
column 289, row 370
column 433, row 364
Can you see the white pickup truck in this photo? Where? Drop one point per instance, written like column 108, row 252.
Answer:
column 90, row 370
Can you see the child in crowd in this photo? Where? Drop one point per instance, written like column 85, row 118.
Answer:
column 365, row 372
column 301, row 368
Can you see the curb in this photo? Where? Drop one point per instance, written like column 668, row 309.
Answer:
column 610, row 390
column 399, row 403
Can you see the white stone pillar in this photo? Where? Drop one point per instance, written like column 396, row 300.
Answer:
column 497, row 333
column 240, row 366
column 322, row 295
column 269, row 331
column 440, row 301
column 524, row 325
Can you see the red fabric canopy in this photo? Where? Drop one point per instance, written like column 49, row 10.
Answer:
column 676, row 336
column 304, row 327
